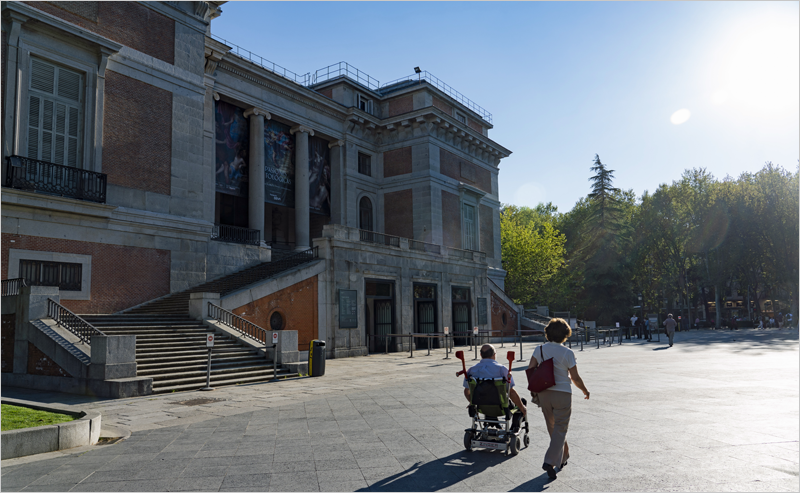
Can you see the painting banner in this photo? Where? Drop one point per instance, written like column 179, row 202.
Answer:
column 279, row 165
column 319, row 176
column 232, row 135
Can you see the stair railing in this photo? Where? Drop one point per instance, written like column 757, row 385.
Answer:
column 11, row 287
column 239, row 324
column 73, row 323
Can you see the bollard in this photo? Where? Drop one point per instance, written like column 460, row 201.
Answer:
column 411, row 347
column 274, row 362
column 429, row 345
column 386, row 349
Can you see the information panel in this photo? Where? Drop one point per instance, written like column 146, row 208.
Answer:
column 348, row 309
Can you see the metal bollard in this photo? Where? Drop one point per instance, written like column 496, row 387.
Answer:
column 208, row 373
column 429, row 345
column 274, row 362
column 386, row 348
column 411, row 347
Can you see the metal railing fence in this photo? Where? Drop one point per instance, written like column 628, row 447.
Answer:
column 24, row 173
column 347, row 70
column 73, row 323
column 445, row 88
column 235, row 234
column 248, row 55
column 11, row 287
column 240, row 325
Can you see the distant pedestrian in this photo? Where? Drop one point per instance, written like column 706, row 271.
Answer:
column 789, row 320
column 771, row 322
column 779, row 320
column 556, row 402
column 669, row 327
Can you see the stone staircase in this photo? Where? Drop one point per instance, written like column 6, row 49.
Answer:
column 171, row 349
column 178, row 303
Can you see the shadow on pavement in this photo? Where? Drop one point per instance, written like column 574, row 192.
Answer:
column 447, row 472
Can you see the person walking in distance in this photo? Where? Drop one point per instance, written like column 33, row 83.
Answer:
column 669, row 326
column 556, row 402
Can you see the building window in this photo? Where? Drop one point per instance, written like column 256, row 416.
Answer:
column 470, row 236
column 65, row 276
column 364, row 104
column 365, row 214
column 461, row 117
column 54, row 113
column 364, row 164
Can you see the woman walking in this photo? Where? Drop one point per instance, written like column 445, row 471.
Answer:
column 556, row 402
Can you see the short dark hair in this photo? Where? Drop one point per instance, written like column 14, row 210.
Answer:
column 669, row 316
column 487, row 351
column 558, row 330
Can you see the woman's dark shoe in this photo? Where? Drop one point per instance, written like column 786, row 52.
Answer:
column 551, row 472
column 562, row 465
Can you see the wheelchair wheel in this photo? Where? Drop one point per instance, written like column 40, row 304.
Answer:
column 468, row 441
column 526, row 440
column 513, row 445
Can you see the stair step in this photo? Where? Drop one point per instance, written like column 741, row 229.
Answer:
column 217, row 383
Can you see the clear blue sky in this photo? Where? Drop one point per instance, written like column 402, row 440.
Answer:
column 566, row 80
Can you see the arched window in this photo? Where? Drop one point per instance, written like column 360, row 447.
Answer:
column 365, row 214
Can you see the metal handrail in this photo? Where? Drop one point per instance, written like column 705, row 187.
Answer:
column 11, row 287
column 73, row 323
column 445, row 88
column 239, row 324
column 235, row 234
column 347, row 70
column 248, row 55
column 55, row 179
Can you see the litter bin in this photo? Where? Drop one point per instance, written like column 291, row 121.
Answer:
column 316, row 358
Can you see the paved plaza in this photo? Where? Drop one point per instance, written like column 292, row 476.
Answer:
column 717, row 412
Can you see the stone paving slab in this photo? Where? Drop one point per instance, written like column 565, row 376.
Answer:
column 717, row 412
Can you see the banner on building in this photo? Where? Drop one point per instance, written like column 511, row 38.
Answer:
column 232, row 146
column 279, row 164
column 319, row 176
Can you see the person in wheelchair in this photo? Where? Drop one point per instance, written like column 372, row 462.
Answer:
column 487, row 369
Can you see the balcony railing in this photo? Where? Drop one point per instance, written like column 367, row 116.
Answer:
column 40, row 176
column 11, row 287
column 466, row 254
column 235, row 234
column 73, row 323
column 424, row 247
column 379, row 238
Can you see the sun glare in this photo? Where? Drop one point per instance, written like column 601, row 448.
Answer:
column 680, row 116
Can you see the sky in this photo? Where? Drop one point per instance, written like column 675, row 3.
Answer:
column 653, row 88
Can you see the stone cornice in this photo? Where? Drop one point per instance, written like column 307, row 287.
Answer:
column 302, row 128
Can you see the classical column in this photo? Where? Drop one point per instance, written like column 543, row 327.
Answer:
column 302, row 235
column 255, row 204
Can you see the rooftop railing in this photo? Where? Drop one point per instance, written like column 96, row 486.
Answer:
column 347, row 70
column 445, row 88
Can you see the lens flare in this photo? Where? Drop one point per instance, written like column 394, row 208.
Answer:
column 680, row 116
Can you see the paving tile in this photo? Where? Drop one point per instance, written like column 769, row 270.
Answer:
column 360, row 485
column 246, row 480
column 199, row 483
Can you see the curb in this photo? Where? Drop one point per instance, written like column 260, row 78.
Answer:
column 41, row 439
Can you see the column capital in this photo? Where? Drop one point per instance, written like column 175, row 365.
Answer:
column 257, row 112
column 302, row 128
column 216, row 96
column 335, row 143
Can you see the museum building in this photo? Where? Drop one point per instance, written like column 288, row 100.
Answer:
column 145, row 157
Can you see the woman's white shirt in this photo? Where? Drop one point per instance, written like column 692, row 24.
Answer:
column 563, row 360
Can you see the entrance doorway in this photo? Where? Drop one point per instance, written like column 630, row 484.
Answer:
column 462, row 320
column 425, row 314
column 379, row 306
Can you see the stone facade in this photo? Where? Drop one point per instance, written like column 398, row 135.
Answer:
column 153, row 80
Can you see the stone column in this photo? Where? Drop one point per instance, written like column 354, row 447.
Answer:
column 302, row 218
column 256, row 172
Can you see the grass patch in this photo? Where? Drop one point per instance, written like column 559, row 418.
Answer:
column 15, row 417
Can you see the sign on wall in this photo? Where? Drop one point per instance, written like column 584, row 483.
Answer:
column 483, row 317
column 232, row 135
column 279, row 164
column 348, row 309
column 319, row 176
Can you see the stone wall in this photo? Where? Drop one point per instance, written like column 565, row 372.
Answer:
column 137, row 134
column 8, row 324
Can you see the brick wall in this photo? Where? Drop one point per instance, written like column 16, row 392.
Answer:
column 298, row 306
column 475, row 126
column 398, row 213
column 464, row 171
column 121, row 276
column 7, row 345
column 137, row 134
column 499, row 308
column 3, row 72
column 40, row 364
column 328, row 93
column 487, row 230
column 401, row 105
column 129, row 23
column 451, row 220
column 438, row 103
column 397, row 162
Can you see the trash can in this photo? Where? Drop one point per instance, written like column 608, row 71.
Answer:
column 316, row 358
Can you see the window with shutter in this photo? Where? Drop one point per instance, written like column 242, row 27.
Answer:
column 469, row 227
column 54, row 114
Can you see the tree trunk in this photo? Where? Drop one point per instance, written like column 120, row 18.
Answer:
column 718, row 322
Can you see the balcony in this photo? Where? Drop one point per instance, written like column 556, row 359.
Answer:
column 33, row 175
column 236, row 234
